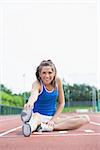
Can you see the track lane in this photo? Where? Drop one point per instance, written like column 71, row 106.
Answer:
column 75, row 140
column 9, row 122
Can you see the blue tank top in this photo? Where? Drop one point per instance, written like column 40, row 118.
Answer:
column 46, row 102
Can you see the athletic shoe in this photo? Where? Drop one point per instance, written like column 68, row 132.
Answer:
column 26, row 130
column 44, row 128
column 39, row 128
column 26, row 115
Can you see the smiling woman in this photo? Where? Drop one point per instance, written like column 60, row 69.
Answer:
column 46, row 72
column 40, row 112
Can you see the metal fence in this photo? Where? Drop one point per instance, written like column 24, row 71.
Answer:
column 78, row 103
column 9, row 110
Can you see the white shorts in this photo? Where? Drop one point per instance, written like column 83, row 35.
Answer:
column 45, row 118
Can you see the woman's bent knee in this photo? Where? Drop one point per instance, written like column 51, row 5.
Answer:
column 86, row 118
column 37, row 116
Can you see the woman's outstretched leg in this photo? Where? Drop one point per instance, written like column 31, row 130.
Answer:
column 72, row 122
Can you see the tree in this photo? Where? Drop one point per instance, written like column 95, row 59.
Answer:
column 3, row 88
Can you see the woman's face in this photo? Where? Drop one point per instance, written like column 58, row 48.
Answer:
column 47, row 74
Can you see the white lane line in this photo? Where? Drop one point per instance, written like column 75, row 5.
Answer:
column 72, row 134
column 9, row 131
column 95, row 123
column 89, row 131
column 50, row 133
column 62, row 132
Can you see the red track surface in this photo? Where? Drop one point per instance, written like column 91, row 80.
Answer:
column 85, row 138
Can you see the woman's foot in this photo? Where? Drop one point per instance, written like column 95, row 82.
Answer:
column 26, row 130
column 26, row 115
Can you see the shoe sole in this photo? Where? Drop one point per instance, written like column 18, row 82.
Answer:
column 26, row 130
column 28, row 116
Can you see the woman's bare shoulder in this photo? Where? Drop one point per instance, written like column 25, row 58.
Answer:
column 58, row 81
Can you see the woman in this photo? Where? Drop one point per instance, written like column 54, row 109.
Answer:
column 40, row 112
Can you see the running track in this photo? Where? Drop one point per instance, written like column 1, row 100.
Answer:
column 85, row 138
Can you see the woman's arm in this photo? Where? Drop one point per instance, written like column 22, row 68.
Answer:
column 61, row 100
column 34, row 95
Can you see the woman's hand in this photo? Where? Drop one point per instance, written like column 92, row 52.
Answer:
column 51, row 123
column 28, row 105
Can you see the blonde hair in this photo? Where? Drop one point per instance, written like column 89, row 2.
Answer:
column 46, row 63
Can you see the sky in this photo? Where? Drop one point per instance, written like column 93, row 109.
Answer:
column 67, row 32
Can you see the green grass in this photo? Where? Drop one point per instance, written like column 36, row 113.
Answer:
column 11, row 100
column 73, row 109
